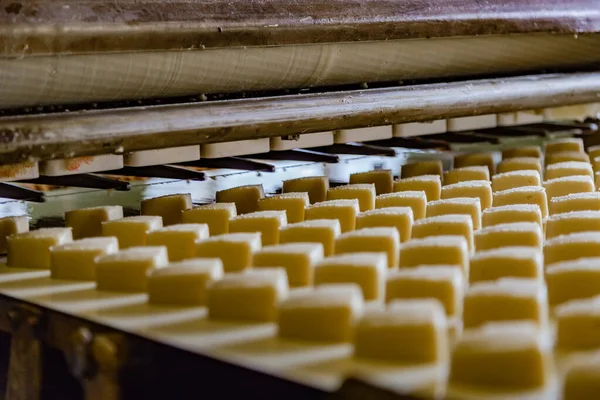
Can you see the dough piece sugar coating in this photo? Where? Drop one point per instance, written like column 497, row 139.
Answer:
column 367, row 270
column 235, row 148
column 400, row 218
column 10, row 226
column 436, row 250
column 533, row 151
column 345, row 211
column 443, row 283
column 245, row 198
column 506, row 299
column 471, row 123
column 479, row 189
column 323, row 231
column 168, row 207
column 568, row 185
column 326, row 313
column 233, row 249
column 571, row 247
column 248, row 296
column 184, row 283
column 292, row 203
column 265, row 222
column 304, row 141
column 563, row 144
column 578, row 325
column 128, row 270
column 298, row 260
column 408, row 331
column 381, row 178
column 180, row 240
column 505, row 262
column 572, row 280
column 472, row 159
column 515, row 179
column 363, row 134
column 512, row 213
column 419, row 168
column 382, row 239
column 430, row 184
column 474, row 173
column 420, row 128
column 216, row 216
column 80, row 165
column 32, row 249
column 575, row 202
column 170, row 155
column 572, row 168
column 87, row 222
column 572, row 222
column 364, row 193
column 132, row 231
column 507, row 357
column 77, row 260
column 416, row 200
column 460, row 205
column 451, row 224
column 582, row 377
column 566, row 156
column 508, row 235
column 535, row 195
column 315, row 186
column 520, row 164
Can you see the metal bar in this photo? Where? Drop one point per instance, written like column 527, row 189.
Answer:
column 358, row 149
column 10, row 191
column 230, row 163
column 80, row 180
column 101, row 132
column 298, row 155
column 158, row 171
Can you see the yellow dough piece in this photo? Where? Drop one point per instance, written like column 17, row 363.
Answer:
column 292, row 203
column 419, row 168
column 368, row 270
column 568, row 185
column 520, row 164
column 381, row 178
column 233, row 249
column 575, row 202
column 460, row 205
column 345, row 211
column 87, row 222
column 472, row 159
column 564, row 144
column 430, row 184
column 382, row 239
column 480, row 189
column 248, row 296
column 265, row 222
column 436, row 250
column 508, row 235
column 535, row 195
column 168, row 207
column 216, row 216
column 474, row 173
column 298, row 259
column 574, row 279
column 594, row 151
column 10, row 226
column 315, row 186
column 132, row 231
column 522, row 151
column 180, row 240
column 572, row 168
column 566, row 156
column 515, row 179
column 578, row 325
column 76, row 260
column 364, row 193
column 128, row 270
column 408, row 331
column 512, row 213
column 505, row 262
column 326, row 313
column 451, row 224
column 571, row 247
column 400, row 218
column 184, row 283
column 416, row 200
column 508, row 357
column 572, row 222
column 32, row 249
column 245, row 198
column 582, row 378
column 506, row 299
column 443, row 283
column 323, row 231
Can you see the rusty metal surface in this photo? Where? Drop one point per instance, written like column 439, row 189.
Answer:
column 73, row 26
column 97, row 132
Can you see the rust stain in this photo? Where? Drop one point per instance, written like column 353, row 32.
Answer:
column 12, row 170
column 74, row 164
